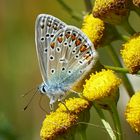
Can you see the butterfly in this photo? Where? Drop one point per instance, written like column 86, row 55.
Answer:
column 65, row 55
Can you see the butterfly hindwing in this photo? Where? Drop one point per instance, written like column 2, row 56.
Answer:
column 74, row 54
column 46, row 28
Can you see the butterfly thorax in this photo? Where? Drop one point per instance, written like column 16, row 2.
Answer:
column 54, row 92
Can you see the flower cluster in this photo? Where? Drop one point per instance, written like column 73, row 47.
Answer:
column 132, row 112
column 100, row 86
column 131, row 53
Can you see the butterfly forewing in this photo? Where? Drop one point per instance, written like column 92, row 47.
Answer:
column 45, row 29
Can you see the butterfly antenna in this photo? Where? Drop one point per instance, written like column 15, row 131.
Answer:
column 30, row 100
column 41, row 105
column 28, row 92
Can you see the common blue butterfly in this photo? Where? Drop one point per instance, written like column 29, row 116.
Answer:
column 65, row 55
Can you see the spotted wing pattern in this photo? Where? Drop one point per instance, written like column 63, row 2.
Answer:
column 45, row 29
column 65, row 52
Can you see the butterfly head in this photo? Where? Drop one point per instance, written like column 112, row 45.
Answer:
column 53, row 92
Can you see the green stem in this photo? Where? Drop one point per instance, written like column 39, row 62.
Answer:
column 88, row 5
column 83, row 135
column 119, row 69
column 124, row 37
column 117, row 63
column 74, row 14
column 116, row 119
column 128, row 27
column 137, row 10
column 105, row 123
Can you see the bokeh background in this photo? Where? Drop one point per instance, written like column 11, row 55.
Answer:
column 19, row 70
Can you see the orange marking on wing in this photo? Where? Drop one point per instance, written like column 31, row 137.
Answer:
column 83, row 48
column 59, row 39
column 52, row 45
column 73, row 37
column 77, row 42
column 67, row 35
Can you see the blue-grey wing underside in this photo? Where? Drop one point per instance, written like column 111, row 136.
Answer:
column 65, row 53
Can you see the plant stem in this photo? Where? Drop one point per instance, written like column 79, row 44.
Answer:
column 119, row 69
column 124, row 37
column 126, row 25
column 117, row 63
column 88, row 5
column 116, row 119
column 83, row 135
column 74, row 14
column 105, row 123
column 137, row 10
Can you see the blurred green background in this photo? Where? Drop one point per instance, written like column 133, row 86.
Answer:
column 19, row 70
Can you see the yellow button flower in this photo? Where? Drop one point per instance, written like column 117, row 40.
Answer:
column 101, row 85
column 111, row 11
column 93, row 28
column 132, row 112
column 57, row 124
column 131, row 54
column 75, row 105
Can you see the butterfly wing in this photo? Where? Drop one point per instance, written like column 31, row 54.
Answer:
column 74, row 54
column 45, row 29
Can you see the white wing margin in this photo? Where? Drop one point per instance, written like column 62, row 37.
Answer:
column 46, row 27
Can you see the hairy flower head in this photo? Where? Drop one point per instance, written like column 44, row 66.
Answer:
column 101, row 85
column 132, row 112
column 111, row 11
column 131, row 54
column 93, row 28
column 75, row 105
column 56, row 124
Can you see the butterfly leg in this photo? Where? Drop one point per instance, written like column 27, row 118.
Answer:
column 51, row 107
column 62, row 102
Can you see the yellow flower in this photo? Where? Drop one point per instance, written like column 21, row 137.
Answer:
column 93, row 28
column 136, row 3
column 132, row 112
column 56, row 124
column 75, row 105
column 131, row 54
column 101, row 85
column 111, row 11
